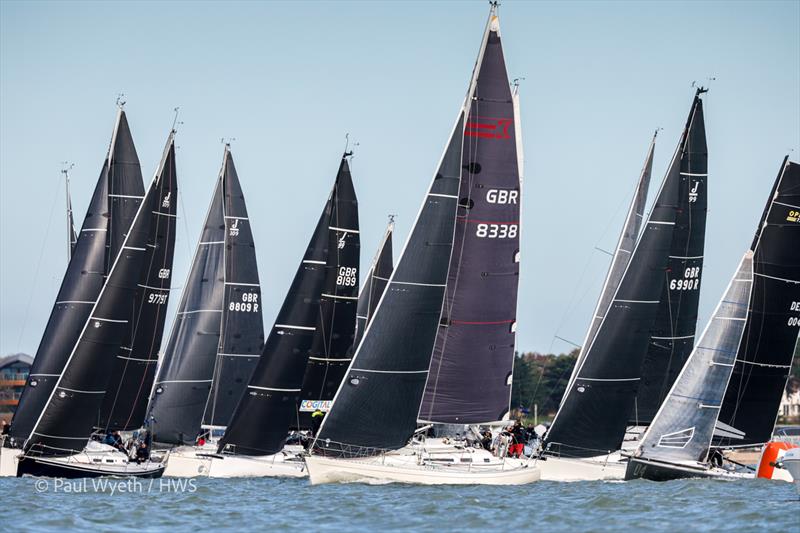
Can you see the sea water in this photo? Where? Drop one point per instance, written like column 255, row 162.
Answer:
column 294, row 505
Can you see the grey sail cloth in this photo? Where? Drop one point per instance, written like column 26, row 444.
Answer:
column 85, row 274
column 242, row 328
column 377, row 403
column 181, row 393
column 471, row 366
column 134, row 369
column 594, row 413
column 764, row 361
column 72, row 409
column 375, row 283
column 622, row 255
column 672, row 337
column 684, row 425
column 73, row 237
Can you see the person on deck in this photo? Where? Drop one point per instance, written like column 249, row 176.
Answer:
column 486, row 440
column 517, row 440
column 316, row 421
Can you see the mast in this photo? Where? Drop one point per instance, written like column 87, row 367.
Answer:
column 66, row 421
column 134, row 367
column 762, row 297
column 264, row 414
column 594, row 412
column 763, row 362
column 622, row 255
column 333, row 340
column 471, row 366
column 72, row 237
column 85, row 273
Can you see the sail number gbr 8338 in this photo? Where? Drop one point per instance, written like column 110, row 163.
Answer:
column 499, row 230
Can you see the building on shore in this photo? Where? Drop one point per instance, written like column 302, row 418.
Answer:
column 14, row 370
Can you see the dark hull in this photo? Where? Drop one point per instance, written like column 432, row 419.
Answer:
column 41, row 467
column 639, row 468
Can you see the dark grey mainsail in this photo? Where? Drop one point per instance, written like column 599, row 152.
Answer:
column 471, row 366
column 673, row 332
column 377, row 403
column 71, row 410
column 262, row 418
column 135, row 366
column 622, row 255
column 683, row 426
column 377, row 277
column 242, row 329
column 333, row 339
column 85, row 273
column 207, row 315
column 765, row 357
column 71, row 235
column 594, row 412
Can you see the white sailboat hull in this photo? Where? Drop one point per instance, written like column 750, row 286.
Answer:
column 9, row 461
column 400, row 467
column 605, row 467
column 791, row 464
column 194, row 461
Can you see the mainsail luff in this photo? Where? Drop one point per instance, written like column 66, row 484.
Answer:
column 84, row 277
column 470, row 372
column 242, row 326
column 684, row 424
column 265, row 412
column 134, row 368
column 765, row 355
column 673, row 333
column 622, row 255
column 594, row 412
column 71, row 411
column 181, row 389
column 374, row 284
column 333, row 340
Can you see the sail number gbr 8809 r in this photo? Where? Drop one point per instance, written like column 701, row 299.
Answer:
column 249, row 303
column 491, row 230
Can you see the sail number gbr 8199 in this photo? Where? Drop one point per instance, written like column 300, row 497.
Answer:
column 248, row 304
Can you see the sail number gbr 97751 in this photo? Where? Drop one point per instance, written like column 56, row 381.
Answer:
column 499, row 230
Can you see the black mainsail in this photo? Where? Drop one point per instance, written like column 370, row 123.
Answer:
column 264, row 414
column 596, row 407
column 764, row 359
column 471, row 367
column 218, row 330
column 672, row 337
column 335, row 334
column 135, row 366
column 755, row 325
column 107, row 220
column 67, row 419
column 71, row 235
column 375, row 282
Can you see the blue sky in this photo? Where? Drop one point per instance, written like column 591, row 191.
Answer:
column 288, row 80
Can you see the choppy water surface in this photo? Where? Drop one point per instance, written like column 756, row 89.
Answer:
column 270, row 504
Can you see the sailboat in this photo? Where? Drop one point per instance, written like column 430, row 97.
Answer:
column 254, row 442
column 218, row 332
column 406, row 369
column 584, row 440
column 757, row 318
column 59, row 444
column 375, row 281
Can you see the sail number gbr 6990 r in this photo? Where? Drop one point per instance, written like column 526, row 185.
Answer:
column 249, row 303
column 690, row 281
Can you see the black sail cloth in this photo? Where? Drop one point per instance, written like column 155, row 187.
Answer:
column 333, row 340
column 265, row 412
column 596, row 407
column 673, row 334
column 764, row 359
column 132, row 376
column 377, row 404
column 470, row 372
column 374, row 285
column 71, row 411
column 107, row 220
column 218, row 332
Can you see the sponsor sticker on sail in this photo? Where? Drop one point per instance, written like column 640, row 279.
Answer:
column 309, row 406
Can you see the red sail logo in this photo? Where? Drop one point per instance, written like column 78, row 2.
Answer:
column 488, row 128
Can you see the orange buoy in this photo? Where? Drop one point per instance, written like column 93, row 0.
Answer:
column 770, row 454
